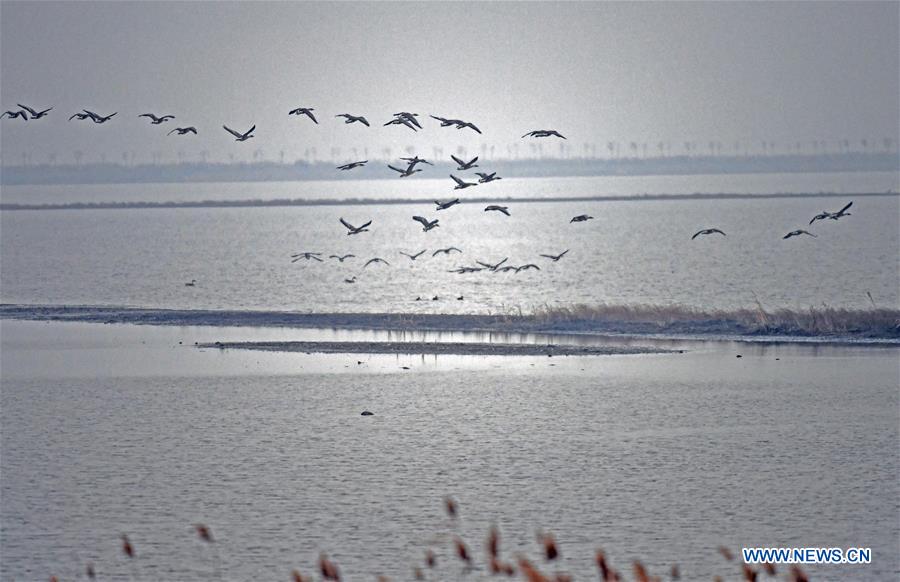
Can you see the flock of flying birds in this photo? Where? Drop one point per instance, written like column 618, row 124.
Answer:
column 410, row 121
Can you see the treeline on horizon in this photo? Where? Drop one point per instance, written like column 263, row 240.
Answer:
column 116, row 173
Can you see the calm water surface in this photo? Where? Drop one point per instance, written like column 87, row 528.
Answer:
column 110, row 429
column 633, row 252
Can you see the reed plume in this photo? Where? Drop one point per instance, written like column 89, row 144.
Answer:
column 529, row 572
column 328, row 569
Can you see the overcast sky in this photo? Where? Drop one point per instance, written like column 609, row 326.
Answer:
column 597, row 72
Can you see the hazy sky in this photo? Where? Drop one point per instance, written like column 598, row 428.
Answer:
column 597, row 72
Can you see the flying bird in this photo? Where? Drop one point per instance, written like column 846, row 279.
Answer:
column 447, row 122
column 183, row 130
column 354, row 118
column 493, row 267
column 445, row 251
column 581, row 218
column 825, row 214
column 544, row 133
column 555, row 258
column 34, row 114
column 307, row 256
column 462, row 166
column 461, row 184
column 375, row 260
column 528, row 266
column 240, row 136
column 503, row 209
column 841, row 212
column 484, row 178
column 416, row 160
column 409, row 171
column 154, row 120
column 426, row 224
column 80, row 116
column 341, row 258
column 352, row 165
column 355, row 229
column 415, row 256
column 410, row 117
column 446, row 205
column 464, row 124
column 99, row 118
column 307, row 111
column 708, row 231
column 798, row 233
column 402, row 121
column 22, row 114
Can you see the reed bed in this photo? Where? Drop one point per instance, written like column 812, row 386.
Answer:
column 540, row 567
column 813, row 321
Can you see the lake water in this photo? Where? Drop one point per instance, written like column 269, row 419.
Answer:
column 662, row 458
column 633, row 252
column 110, row 429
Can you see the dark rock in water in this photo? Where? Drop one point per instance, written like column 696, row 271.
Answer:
column 367, row 413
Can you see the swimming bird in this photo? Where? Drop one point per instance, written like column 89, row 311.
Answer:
column 375, row 260
column 307, row 111
column 581, row 218
column 426, row 224
column 352, row 165
column 351, row 279
column 493, row 267
column 341, row 258
column 485, row 178
column 415, row 256
column 462, row 166
column 34, row 114
column 461, row 184
column 22, row 114
column 544, row 133
column 354, row 118
column 555, row 258
column 445, row 251
column 446, row 205
column 307, row 256
column 355, row 229
column 468, row 124
column 183, row 130
column 798, row 233
column 191, row 284
column 503, row 209
column 708, row 231
column 154, row 120
column 409, row 171
column 416, row 160
column 240, row 136
column 96, row 118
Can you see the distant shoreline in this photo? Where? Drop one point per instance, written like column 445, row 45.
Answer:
column 877, row 326
column 279, row 202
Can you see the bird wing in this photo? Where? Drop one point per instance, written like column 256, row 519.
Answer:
column 150, row 115
column 841, row 211
column 457, row 180
column 173, row 131
column 294, row 112
column 475, row 159
column 311, row 116
column 364, row 121
column 231, row 131
column 457, row 160
column 165, row 117
column 27, row 108
column 249, row 131
column 396, row 169
column 365, row 225
column 348, row 225
column 472, row 125
column 529, row 133
column 453, row 249
column 422, row 220
column 191, row 129
column 482, row 175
